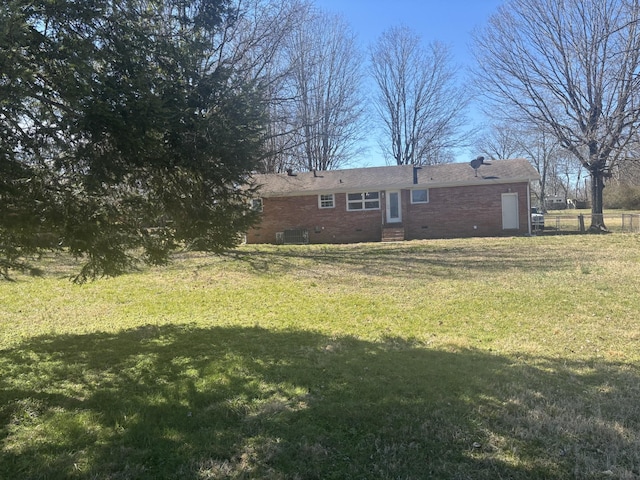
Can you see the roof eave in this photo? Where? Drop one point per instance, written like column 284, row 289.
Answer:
column 403, row 186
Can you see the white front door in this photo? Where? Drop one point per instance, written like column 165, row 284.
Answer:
column 510, row 218
column 394, row 207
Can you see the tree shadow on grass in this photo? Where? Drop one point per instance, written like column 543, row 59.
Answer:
column 407, row 260
column 179, row 402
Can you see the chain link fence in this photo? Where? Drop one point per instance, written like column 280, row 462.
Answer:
column 580, row 223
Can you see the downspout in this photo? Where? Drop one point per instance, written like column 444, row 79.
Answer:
column 383, row 208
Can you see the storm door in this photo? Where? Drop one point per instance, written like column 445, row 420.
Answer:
column 394, row 207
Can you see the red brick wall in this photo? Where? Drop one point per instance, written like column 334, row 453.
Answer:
column 325, row 225
column 465, row 212
column 451, row 212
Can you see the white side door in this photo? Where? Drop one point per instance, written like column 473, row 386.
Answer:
column 510, row 217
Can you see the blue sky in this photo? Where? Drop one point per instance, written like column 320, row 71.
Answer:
column 448, row 21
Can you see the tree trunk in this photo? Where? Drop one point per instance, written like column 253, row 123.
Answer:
column 597, row 186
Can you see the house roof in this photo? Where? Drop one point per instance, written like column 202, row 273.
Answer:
column 394, row 177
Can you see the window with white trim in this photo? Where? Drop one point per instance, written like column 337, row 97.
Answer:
column 363, row 201
column 420, row 195
column 326, row 200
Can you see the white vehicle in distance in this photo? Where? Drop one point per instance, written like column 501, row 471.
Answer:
column 537, row 219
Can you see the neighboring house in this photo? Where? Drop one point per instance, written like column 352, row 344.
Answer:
column 394, row 203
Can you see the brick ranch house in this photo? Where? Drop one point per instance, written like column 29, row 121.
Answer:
column 394, row 203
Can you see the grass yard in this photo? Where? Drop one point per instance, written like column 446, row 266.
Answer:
column 509, row 358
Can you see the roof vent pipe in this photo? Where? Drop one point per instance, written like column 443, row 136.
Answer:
column 415, row 174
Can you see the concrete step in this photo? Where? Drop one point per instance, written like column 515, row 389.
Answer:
column 392, row 234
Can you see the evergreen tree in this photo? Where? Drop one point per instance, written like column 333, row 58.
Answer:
column 122, row 129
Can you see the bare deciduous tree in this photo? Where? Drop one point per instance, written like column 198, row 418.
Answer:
column 571, row 67
column 256, row 41
column 511, row 139
column 419, row 104
column 500, row 141
column 310, row 66
column 325, row 80
column 545, row 153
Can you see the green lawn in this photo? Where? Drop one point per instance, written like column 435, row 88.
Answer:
column 511, row 358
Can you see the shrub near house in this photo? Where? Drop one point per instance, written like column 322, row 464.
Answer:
column 395, row 203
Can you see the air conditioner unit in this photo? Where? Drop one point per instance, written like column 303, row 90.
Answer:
column 298, row 236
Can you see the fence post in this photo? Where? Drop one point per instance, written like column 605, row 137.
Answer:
column 581, row 222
